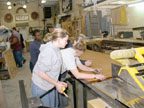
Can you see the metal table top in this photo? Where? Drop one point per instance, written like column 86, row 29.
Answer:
column 124, row 92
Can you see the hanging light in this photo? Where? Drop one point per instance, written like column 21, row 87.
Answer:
column 8, row 3
column 140, row 4
column 24, row 6
column 9, row 7
column 43, row 1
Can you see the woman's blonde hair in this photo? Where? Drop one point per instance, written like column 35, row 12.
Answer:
column 57, row 33
column 80, row 37
column 47, row 37
column 81, row 46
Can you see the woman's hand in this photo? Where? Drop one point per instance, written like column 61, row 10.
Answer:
column 59, row 86
column 88, row 63
column 97, row 70
column 100, row 77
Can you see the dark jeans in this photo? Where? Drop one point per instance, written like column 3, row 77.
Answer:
column 31, row 66
column 22, row 58
column 18, row 58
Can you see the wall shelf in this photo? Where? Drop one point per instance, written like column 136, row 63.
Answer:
column 138, row 28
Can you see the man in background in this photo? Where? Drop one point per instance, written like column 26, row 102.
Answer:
column 23, row 46
column 50, row 28
column 21, row 38
column 14, row 32
column 16, row 46
column 34, row 48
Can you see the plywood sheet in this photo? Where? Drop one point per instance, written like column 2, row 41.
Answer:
column 9, row 58
column 2, row 98
column 97, row 103
column 99, row 60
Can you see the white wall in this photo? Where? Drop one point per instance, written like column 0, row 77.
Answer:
column 31, row 7
column 135, row 17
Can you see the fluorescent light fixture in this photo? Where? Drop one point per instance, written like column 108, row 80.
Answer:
column 9, row 7
column 119, row 2
column 24, row 6
column 43, row 1
column 8, row 3
column 140, row 4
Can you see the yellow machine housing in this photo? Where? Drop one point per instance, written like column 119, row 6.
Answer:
column 127, row 72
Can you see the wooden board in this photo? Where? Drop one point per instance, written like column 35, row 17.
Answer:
column 68, row 27
column 2, row 61
column 97, row 103
column 2, row 98
column 9, row 58
column 28, row 45
column 99, row 60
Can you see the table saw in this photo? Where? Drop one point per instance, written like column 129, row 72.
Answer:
column 125, row 88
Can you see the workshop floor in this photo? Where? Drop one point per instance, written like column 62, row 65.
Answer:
column 12, row 93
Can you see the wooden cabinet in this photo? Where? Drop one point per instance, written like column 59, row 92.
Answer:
column 119, row 16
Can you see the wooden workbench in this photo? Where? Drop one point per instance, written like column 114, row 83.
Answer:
column 116, row 40
column 109, row 43
column 99, row 60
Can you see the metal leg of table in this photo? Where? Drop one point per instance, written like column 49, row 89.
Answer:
column 23, row 96
column 73, row 83
column 74, row 94
column 84, row 97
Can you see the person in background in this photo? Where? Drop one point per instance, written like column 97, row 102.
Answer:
column 76, row 40
column 72, row 63
column 23, row 46
column 21, row 39
column 58, row 25
column 14, row 31
column 34, row 48
column 47, row 69
column 16, row 46
column 50, row 28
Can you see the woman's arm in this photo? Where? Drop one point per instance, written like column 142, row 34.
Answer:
column 79, row 75
column 81, row 66
column 57, row 84
column 83, row 61
column 85, row 68
column 47, row 78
